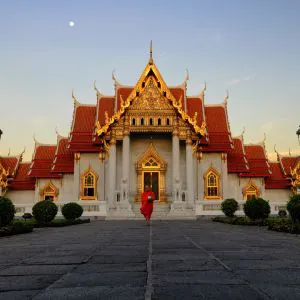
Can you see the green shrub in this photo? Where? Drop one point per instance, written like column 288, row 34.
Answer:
column 44, row 211
column 72, row 211
column 7, row 211
column 229, row 207
column 15, row 228
column 293, row 208
column 257, row 208
column 282, row 213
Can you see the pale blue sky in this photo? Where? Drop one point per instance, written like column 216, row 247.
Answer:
column 250, row 48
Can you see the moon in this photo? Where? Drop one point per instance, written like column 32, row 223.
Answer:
column 71, row 23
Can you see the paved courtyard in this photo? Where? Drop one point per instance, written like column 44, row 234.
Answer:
column 167, row 260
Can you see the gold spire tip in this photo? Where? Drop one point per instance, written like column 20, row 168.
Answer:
column 151, row 58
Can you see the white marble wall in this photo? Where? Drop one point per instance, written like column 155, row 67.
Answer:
column 21, row 197
column 277, row 195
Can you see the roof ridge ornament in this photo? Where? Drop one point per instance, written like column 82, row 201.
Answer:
column 98, row 93
column 278, row 155
column 8, row 154
column 202, row 93
column 226, row 98
column 187, row 77
column 113, row 76
column 150, row 58
column 76, row 102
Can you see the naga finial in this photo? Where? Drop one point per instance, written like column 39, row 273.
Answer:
column 264, row 140
column 202, row 94
column 98, row 94
column 290, row 152
column 226, row 97
column 244, row 130
column 187, row 76
column 74, row 98
column 23, row 151
column 275, row 150
column 8, row 154
column 151, row 58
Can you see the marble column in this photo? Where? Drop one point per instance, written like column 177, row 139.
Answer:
column 175, row 165
column 125, row 168
column 189, row 172
column 112, row 164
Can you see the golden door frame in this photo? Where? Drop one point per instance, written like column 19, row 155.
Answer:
column 150, row 161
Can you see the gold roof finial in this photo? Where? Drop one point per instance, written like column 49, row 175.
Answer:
column 151, row 58
column 290, row 152
column 8, row 154
column 275, row 150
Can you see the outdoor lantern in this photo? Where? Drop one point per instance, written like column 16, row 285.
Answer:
column 298, row 134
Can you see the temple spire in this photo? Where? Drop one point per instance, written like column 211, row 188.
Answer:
column 151, row 58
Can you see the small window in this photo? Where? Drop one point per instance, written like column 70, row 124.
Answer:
column 137, row 93
column 212, row 185
column 133, row 122
column 165, row 94
column 151, row 121
column 49, row 197
column 168, row 121
column 143, row 84
column 142, row 121
column 88, row 181
column 159, row 121
column 158, row 84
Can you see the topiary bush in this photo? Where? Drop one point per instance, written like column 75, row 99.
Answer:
column 44, row 211
column 257, row 208
column 72, row 211
column 7, row 211
column 229, row 207
column 293, row 208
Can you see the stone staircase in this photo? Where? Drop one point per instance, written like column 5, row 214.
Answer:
column 160, row 211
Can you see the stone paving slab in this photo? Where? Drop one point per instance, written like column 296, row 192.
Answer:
column 205, row 291
column 93, row 293
column 127, row 260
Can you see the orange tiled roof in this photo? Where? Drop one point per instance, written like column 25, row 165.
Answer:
column 218, row 130
column 42, row 162
column 22, row 181
column 64, row 158
column 179, row 94
column 236, row 159
column 105, row 104
column 195, row 105
column 277, row 180
column 257, row 161
column 125, row 92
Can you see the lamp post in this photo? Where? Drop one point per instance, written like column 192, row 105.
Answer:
column 298, row 134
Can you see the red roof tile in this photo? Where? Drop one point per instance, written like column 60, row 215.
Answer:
column 178, row 93
column 10, row 163
column 105, row 104
column 42, row 162
column 257, row 161
column 277, row 180
column 22, row 181
column 82, row 133
column 125, row 92
column 64, row 158
column 236, row 159
column 218, row 130
column 195, row 105
column 288, row 163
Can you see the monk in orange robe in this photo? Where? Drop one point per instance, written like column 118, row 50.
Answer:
column 147, row 203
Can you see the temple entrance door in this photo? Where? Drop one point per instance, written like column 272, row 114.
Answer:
column 152, row 179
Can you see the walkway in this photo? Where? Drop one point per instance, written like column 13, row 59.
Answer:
column 168, row 260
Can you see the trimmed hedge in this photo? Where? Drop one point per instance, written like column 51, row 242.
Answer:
column 15, row 228
column 44, row 211
column 293, row 208
column 7, row 211
column 257, row 208
column 72, row 211
column 229, row 207
column 55, row 223
column 240, row 221
column 284, row 225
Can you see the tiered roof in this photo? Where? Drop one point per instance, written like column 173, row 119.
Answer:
column 257, row 160
column 236, row 159
column 277, row 180
column 22, row 181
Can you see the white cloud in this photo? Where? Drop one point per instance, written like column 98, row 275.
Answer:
column 236, row 81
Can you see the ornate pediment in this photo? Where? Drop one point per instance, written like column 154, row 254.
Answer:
column 151, row 99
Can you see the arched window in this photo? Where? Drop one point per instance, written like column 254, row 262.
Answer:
column 168, row 121
column 151, row 121
column 142, row 121
column 49, row 192
column 159, row 121
column 250, row 191
column 212, row 184
column 89, row 185
column 133, row 122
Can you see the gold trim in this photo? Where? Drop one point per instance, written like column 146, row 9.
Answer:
column 89, row 171
column 213, row 171
column 49, row 190
column 250, row 189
